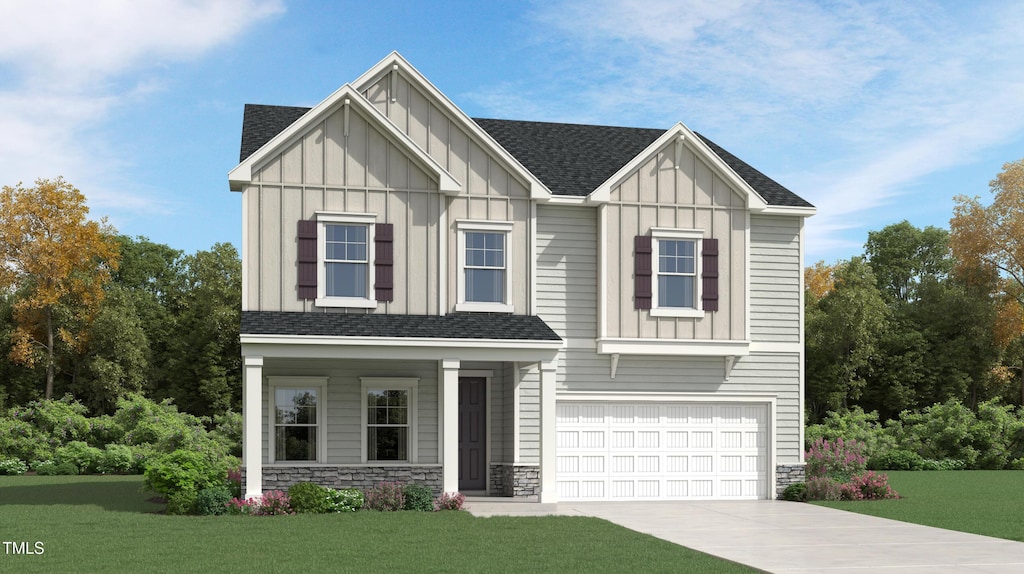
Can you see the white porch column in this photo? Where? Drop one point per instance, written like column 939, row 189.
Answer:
column 450, row 424
column 548, row 462
column 252, row 418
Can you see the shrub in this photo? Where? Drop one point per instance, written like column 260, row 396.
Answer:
column 62, row 420
column 20, row 440
column 117, row 459
column 822, row 488
column 867, row 486
column 796, row 492
column 418, row 497
column 310, row 498
column 346, row 500
column 234, row 482
column 212, row 500
column 385, row 496
column 853, row 424
column 86, row 458
column 181, row 501
column 45, row 467
column 449, row 501
column 104, row 430
column 185, row 470
column 838, row 460
column 897, row 459
column 990, row 439
column 12, row 466
column 944, row 464
column 271, row 503
column 227, row 430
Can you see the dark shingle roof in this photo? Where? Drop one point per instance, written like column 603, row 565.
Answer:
column 454, row 326
column 571, row 159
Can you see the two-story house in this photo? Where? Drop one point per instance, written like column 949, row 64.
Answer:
column 570, row 312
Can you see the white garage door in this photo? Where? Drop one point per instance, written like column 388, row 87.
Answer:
column 661, row 451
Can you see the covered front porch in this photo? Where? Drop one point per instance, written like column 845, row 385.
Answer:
column 475, row 415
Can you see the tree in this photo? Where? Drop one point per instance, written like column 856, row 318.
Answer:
column 901, row 255
column 58, row 261
column 820, row 279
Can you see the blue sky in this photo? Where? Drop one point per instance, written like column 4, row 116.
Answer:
column 874, row 111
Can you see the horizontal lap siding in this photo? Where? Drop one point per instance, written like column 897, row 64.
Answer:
column 567, row 271
column 775, row 279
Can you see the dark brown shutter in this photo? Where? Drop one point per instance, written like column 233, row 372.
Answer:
column 642, row 270
column 384, row 276
column 709, row 274
column 307, row 259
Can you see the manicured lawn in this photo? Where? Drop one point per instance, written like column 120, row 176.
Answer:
column 100, row 524
column 989, row 502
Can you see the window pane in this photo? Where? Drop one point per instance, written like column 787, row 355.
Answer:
column 387, row 443
column 398, row 415
column 295, row 406
column 295, row 443
column 346, row 280
column 376, row 398
column 485, row 285
column 676, row 291
column 377, row 416
column 396, row 398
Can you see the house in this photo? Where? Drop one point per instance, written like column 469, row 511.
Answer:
column 566, row 312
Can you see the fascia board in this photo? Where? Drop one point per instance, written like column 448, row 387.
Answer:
column 603, row 192
column 538, row 190
column 789, row 210
column 242, row 174
column 398, row 348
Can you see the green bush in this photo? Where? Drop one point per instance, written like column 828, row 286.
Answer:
column 45, row 467
column 86, row 458
column 418, row 497
column 897, row 459
column 182, row 501
column 944, row 464
column 12, row 466
column 104, row 430
column 62, row 420
column 310, row 498
column 990, row 439
column 227, row 430
column 19, row 439
column 184, row 470
column 347, row 500
column 852, row 424
column 117, row 459
column 796, row 492
column 212, row 500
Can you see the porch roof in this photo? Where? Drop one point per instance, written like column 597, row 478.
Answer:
column 454, row 326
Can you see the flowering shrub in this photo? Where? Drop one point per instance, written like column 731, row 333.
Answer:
column 235, row 482
column 272, row 503
column 347, row 500
column 12, row 466
column 867, row 486
column 839, row 460
column 823, row 488
column 449, row 501
column 385, row 496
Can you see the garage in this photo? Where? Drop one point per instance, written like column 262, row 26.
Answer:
column 667, row 450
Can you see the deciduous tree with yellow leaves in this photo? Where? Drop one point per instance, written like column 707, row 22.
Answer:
column 55, row 261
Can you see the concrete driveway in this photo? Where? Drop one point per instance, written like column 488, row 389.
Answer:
column 789, row 537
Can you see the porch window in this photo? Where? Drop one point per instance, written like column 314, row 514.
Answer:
column 389, row 423
column 296, row 413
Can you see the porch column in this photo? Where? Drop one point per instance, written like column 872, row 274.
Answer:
column 548, row 462
column 252, row 434
column 450, row 425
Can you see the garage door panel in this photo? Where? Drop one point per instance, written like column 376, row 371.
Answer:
column 637, row 451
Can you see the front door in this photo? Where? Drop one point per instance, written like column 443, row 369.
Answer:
column 472, row 434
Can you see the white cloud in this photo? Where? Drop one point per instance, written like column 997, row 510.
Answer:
column 865, row 98
column 69, row 63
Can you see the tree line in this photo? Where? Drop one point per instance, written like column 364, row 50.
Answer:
column 88, row 312
column 923, row 316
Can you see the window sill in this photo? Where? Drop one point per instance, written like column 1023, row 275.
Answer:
column 670, row 312
column 475, row 307
column 345, row 302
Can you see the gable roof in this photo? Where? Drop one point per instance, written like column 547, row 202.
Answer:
column 571, row 159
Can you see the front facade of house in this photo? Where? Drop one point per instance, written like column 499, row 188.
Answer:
column 513, row 308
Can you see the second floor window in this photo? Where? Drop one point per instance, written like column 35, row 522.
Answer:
column 485, row 267
column 346, row 260
column 677, row 273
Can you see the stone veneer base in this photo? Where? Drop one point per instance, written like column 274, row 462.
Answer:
column 787, row 474
column 362, row 477
column 515, row 480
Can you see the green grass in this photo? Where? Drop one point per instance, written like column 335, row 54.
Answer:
column 989, row 502
column 101, row 524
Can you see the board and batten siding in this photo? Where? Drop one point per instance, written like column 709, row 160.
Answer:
column 775, row 279
column 344, row 401
column 322, row 169
column 692, row 197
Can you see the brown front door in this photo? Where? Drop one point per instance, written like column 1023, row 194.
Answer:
column 472, row 434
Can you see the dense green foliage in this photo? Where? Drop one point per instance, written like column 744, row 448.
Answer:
column 418, row 497
column 167, row 327
column 75, row 517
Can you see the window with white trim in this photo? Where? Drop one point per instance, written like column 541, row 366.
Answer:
column 389, row 417
column 296, row 412
column 485, row 281
column 345, row 258
column 676, row 283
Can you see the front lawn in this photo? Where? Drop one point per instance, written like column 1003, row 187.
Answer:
column 989, row 502
column 103, row 523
